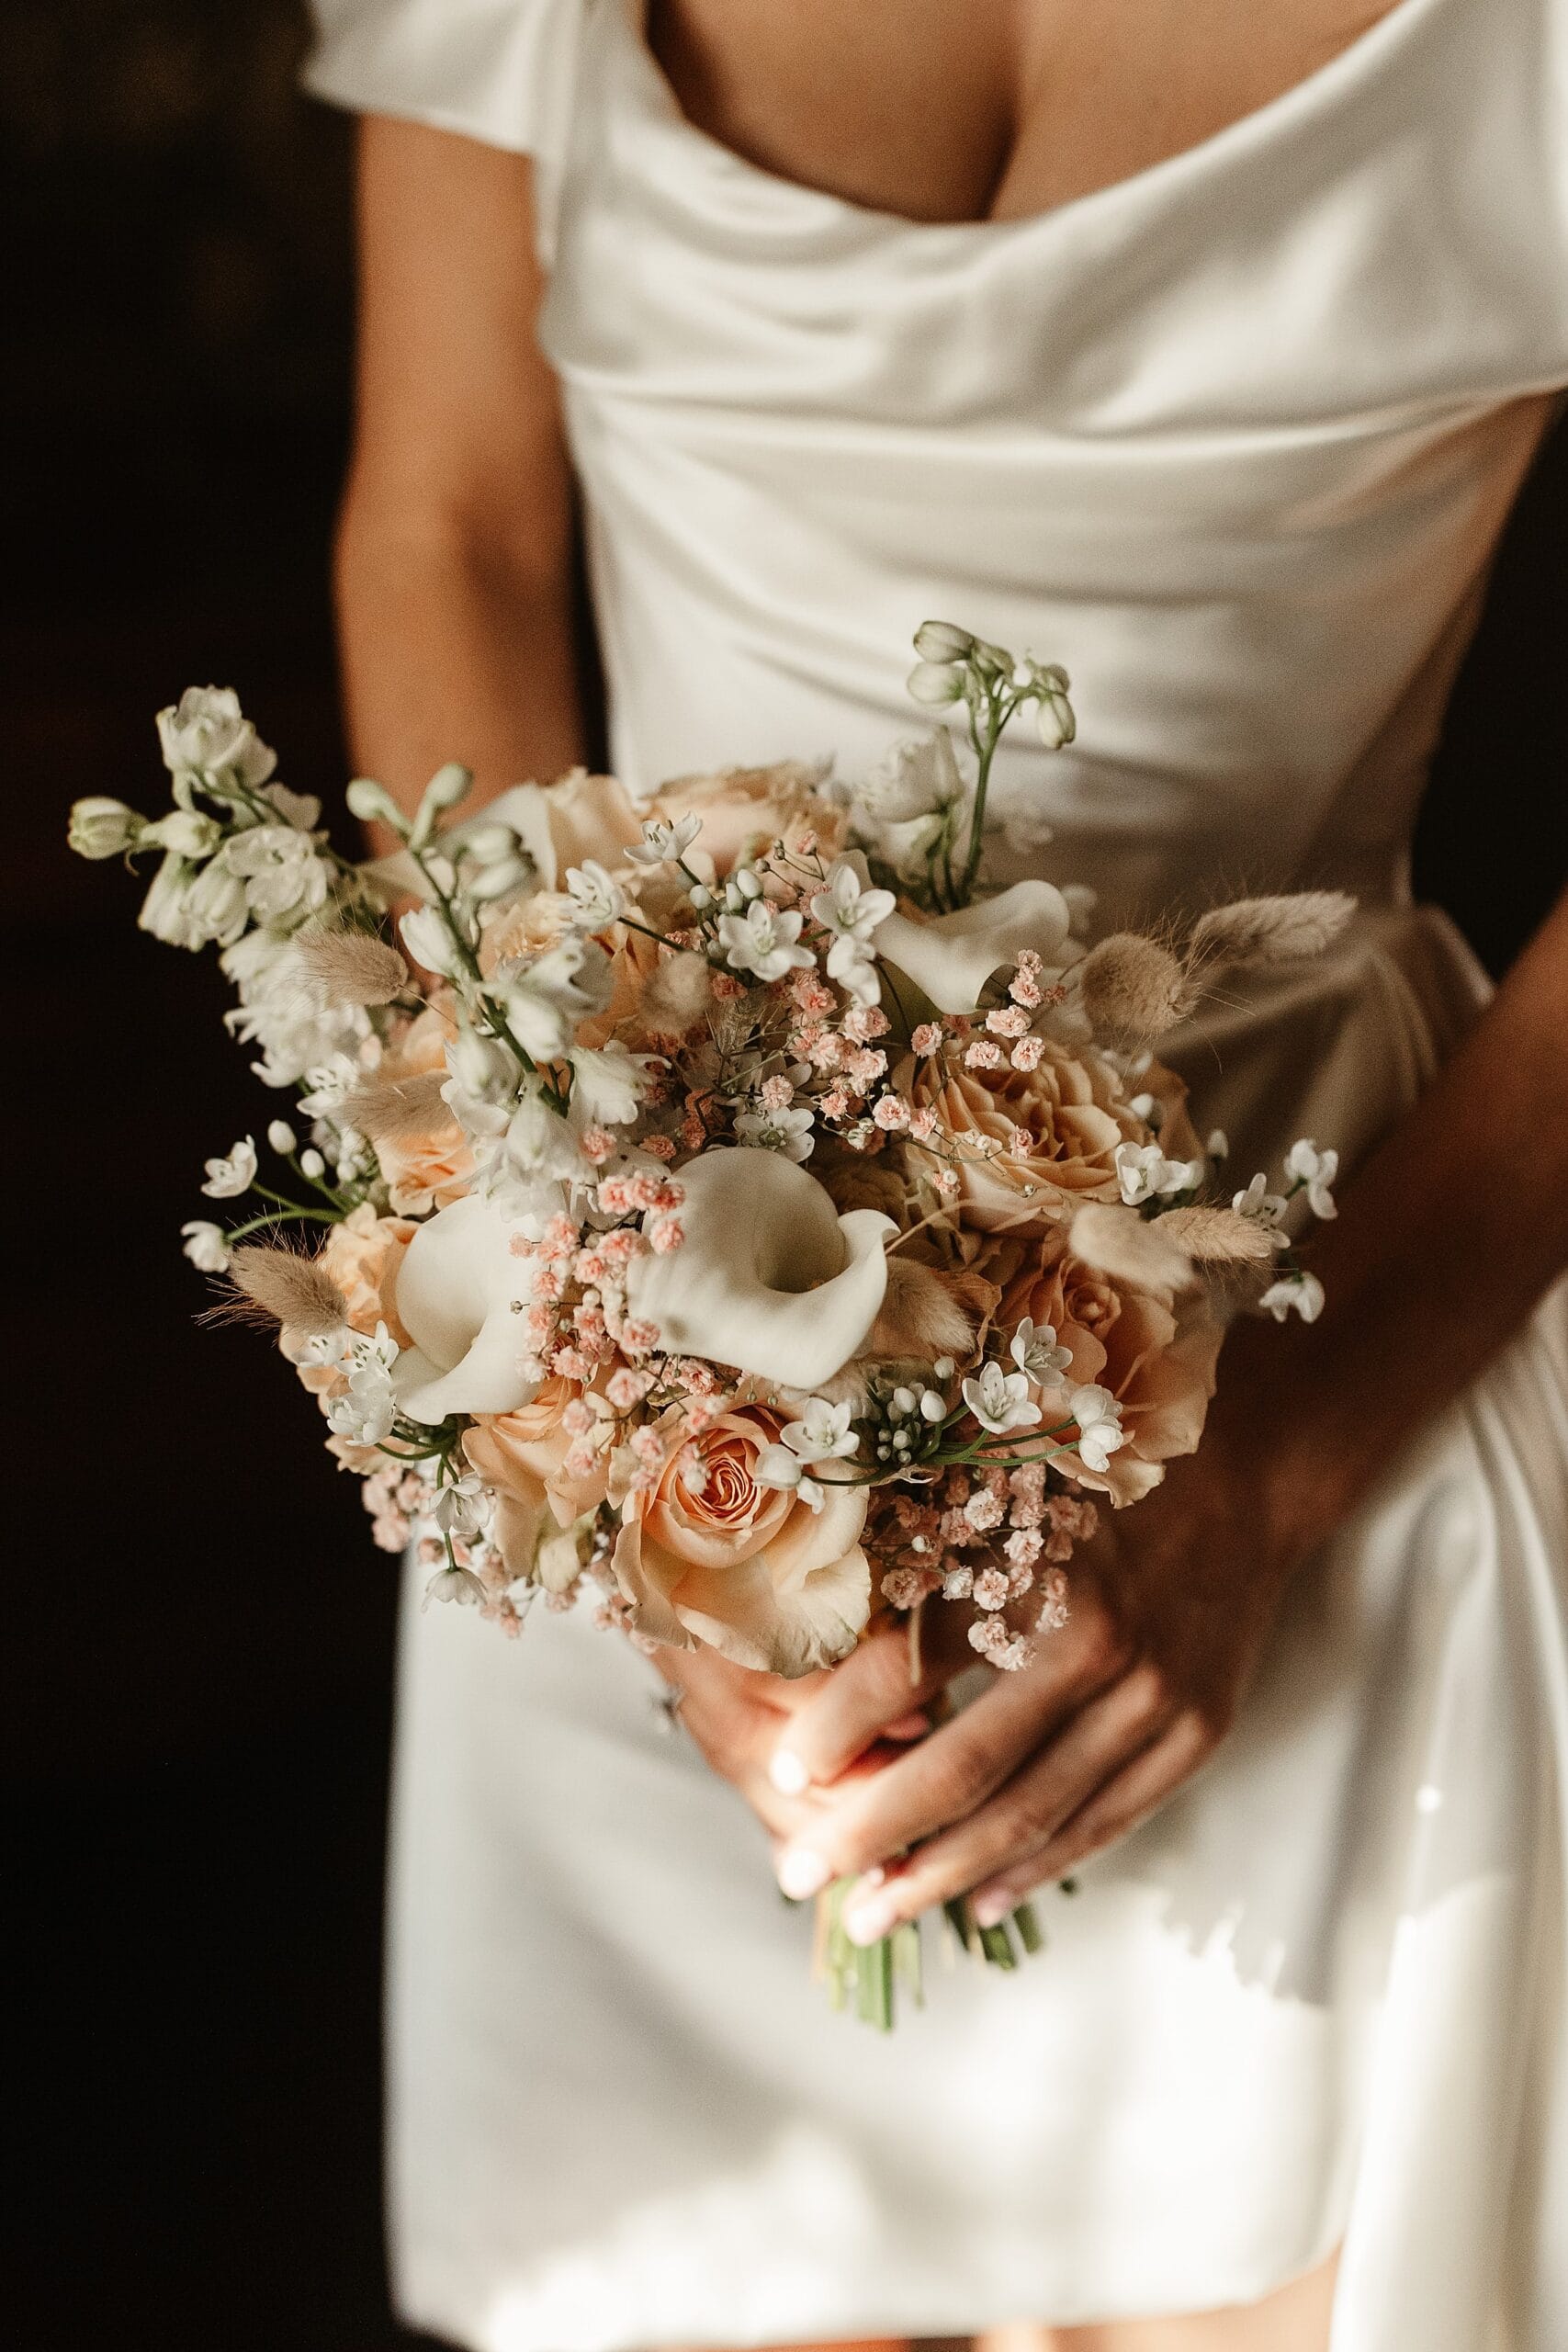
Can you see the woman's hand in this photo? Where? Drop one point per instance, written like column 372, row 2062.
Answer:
column 740, row 1721
column 1170, row 1608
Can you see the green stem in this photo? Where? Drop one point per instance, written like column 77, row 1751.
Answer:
column 279, row 1217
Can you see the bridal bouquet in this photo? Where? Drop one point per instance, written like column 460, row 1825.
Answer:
column 727, row 1209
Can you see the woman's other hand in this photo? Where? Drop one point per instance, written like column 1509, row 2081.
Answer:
column 1170, row 1608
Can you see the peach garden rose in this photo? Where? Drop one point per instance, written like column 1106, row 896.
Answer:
column 710, row 1556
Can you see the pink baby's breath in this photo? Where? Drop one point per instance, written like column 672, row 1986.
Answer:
column 983, row 1054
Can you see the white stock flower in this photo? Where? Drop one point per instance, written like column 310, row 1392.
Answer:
column 206, row 733
column 226, row 1178
column 823, row 1433
column 1054, row 717
column 283, row 876
column 661, row 844
column 768, row 1276
column 764, row 941
column 949, row 957
column 1314, row 1172
column 596, row 897
column 789, row 1131
column 1035, row 1352
column 1302, row 1294
column 185, row 830
column 1000, row 1400
column 934, row 684
column 1099, row 1418
column 104, row 828
column 425, row 932
column 944, row 641
column 545, row 998
column 1145, row 1174
column 609, row 1082
column 216, row 904
column 302, row 811
column 540, row 1144
column 207, row 1245
column 165, row 908
column 917, row 777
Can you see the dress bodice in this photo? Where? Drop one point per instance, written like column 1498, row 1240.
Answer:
column 1233, row 439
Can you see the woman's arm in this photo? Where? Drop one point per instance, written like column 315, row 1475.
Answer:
column 1447, row 1238
column 455, row 546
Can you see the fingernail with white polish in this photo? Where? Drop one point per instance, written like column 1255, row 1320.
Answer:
column 868, row 1922
column 991, row 1909
column 802, row 1874
column 787, row 1773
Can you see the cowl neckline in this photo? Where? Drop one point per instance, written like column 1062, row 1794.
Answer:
column 729, row 171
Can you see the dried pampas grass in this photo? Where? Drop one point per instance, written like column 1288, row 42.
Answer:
column 397, row 1110
column 350, row 967
column 291, row 1290
column 1119, row 1242
column 1217, row 1237
column 1269, row 930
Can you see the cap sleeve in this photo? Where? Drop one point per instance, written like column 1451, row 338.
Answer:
column 500, row 71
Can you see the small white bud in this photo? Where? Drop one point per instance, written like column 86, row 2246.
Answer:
column 935, row 683
column 313, row 1165
column 903, row 1402
column 282, row 1139
column 940, row 642
column 933, row 1405
column 186, row 831
column 944, row 1367
column 1054, row 720
column 373, row 804
column 103, row 828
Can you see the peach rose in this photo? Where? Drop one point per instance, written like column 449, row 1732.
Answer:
column 1161, row 1373
column 1072, row 1106
column 522, row 1456
column 587, row 815
column 747, row 809
column 362, row 1256
column 710, row 1556
column 425, row 1171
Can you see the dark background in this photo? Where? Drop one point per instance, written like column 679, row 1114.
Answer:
column 197, row 1713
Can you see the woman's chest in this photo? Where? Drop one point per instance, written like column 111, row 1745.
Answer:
column 997, row 110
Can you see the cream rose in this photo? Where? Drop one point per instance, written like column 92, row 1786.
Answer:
column 710, row 1557
column 522, row 1456
column 749, row 809
column 362, row 1257
column 1131, row 1341
column 433, row 1168
column 1074, row 1112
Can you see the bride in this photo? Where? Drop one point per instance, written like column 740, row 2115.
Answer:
column 1201, row 347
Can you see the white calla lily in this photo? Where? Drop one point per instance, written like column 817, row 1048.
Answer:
column 769, row 1276
column 950, row 957
column 460, row 1296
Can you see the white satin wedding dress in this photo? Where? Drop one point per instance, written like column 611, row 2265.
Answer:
column 1233, row 441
